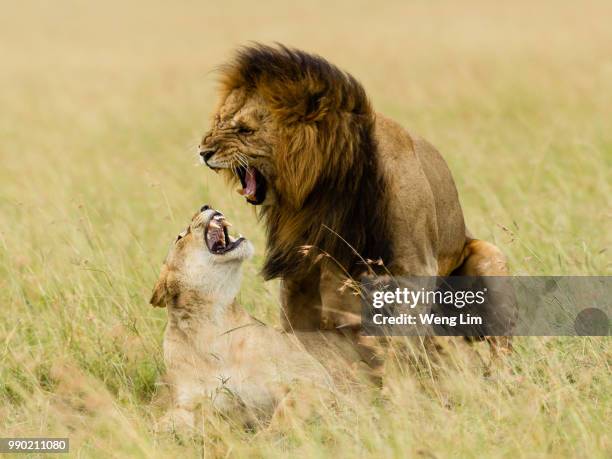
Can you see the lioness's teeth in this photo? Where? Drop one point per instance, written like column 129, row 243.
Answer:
column 214, row 224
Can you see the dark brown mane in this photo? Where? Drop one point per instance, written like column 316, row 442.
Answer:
column 328, row 176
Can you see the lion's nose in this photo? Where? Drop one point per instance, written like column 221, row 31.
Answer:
column 207, row 153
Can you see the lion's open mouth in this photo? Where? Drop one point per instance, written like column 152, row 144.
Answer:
column 217, row 239
column 253, row 184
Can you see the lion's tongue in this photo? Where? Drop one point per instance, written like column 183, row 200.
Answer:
column 251, row 183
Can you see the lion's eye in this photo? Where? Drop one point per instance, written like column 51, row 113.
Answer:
column 245, row 130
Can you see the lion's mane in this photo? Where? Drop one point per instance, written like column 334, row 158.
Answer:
column 330, row 191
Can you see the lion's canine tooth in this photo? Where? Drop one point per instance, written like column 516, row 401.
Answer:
column 214, row 224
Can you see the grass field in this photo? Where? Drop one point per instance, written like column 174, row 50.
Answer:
column 101, row 108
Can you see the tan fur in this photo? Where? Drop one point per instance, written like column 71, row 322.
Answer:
column 351, row 185
column 219, row 357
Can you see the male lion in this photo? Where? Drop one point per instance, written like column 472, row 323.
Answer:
column 333, row 177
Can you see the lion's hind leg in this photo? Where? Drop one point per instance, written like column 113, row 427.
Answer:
column 483, row 259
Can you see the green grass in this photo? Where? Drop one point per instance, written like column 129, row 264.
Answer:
column 100, row 113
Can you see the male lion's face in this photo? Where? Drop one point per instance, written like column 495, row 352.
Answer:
column 242, row 141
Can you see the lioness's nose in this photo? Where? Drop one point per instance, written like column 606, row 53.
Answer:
column 207, row 153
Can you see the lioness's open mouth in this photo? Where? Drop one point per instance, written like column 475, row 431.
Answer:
column 253, row 184
column 217, row 239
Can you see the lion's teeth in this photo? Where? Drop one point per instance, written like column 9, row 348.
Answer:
column 214, row 224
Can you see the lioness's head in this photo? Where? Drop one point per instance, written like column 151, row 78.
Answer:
column 203, row 259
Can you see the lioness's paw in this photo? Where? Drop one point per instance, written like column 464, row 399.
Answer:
column 176, row 421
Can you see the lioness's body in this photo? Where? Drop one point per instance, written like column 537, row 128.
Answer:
column 240, row 367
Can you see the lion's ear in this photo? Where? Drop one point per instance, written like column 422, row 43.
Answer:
column 305, row 101
column 164, row 291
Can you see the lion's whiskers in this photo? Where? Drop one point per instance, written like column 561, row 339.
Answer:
column 242, row 159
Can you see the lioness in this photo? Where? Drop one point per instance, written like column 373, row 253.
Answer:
column 343, row 190
column 214, row 351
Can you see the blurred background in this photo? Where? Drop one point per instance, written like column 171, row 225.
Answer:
column 102, row 105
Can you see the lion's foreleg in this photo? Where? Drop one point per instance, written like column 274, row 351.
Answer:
column 341, row 311
column 301, row 302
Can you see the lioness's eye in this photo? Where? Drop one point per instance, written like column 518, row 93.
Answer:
column 245, row 130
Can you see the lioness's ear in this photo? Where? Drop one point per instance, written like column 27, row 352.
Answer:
column 163, row 293
column 158, row 298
